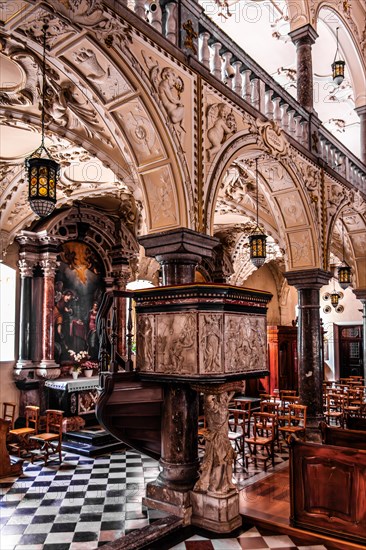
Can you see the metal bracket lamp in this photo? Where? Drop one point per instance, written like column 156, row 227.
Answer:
column 344, row 270
column 257, row 240
column 42, row 171
column 338, row 65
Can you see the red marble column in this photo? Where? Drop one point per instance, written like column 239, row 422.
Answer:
column 361, row 111
column 48, row 368
column 304, row 38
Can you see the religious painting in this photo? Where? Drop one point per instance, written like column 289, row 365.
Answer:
column 79, row 287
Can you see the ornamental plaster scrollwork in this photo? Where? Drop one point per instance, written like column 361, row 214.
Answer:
column 28, row 64
column 159, row 189
column 169, row 87
column 273, row 139
column 335, row 196
column 221, row 124
column 58, row 30
column 358, row 203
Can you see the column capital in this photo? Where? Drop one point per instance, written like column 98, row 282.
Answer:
column 305, row 34
column 361, row 111
column 179, row 243
column 312, row 279
column 360, row 294
column 49, row 264
column 26, row 267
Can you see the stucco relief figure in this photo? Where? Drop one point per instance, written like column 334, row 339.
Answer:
column 217, row 466
column 169, row 87
column 221, row 118
column 211, row 343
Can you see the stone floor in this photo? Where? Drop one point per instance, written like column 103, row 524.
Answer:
column 85, row 503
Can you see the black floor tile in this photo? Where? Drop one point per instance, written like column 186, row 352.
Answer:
column 84, row 536
column 63, row 527
column 43, row 519
column 33, row 538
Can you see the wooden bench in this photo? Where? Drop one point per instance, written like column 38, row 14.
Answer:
column 328, row 489
column 340, row 437
column 9, row 466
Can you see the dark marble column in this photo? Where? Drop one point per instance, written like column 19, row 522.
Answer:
column 310, row 340
column 361, row 111
column 26, row 274
column 178, row 252
column 361, row 295
column 304, row 38
column 48, row 369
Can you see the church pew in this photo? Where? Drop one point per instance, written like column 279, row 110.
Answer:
column 356, row 422
column 9, row 466
column 328, row 489
column 340, row 437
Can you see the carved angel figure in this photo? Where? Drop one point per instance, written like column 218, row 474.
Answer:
column 169, row 87
column 223, row 124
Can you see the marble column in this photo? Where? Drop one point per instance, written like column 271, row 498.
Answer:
column 361, row 295
column 48, row 369
column 310, row 340
column 178, row 251
column 24, row 362
column 304, row 38
column 361, row 111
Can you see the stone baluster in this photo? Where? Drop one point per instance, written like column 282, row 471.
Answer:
column 140, row 9
column 48, row 368
column 204, row 49
column 291, row 122
column 156, row 16
column 246, row 90
column 237, row 80
column 216, row 60
column 284, row 116
column 269, row 104
column 277, row 110
column 255, row 93
column 171, row 22
column 227, row 71
column 298, row 128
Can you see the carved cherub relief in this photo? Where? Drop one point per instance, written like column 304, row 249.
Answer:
column 222, row 124
column 169, row 87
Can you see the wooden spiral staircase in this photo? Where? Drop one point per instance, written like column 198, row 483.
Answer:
column 127, row 407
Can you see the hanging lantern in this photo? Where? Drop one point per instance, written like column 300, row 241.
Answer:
column 334, row 299
column 338, row 65
column 42, row 171
column 258, row 250
column 257, row 240
column 344, row 276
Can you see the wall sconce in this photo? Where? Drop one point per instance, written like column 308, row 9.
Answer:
column 257, row 240
column 338, row 65
column 42, row 172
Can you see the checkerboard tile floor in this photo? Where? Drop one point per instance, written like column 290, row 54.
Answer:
column 85, row 503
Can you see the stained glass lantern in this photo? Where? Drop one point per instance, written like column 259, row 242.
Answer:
column 42, row 179
column 258, row 249
column 344, row 275
column 338, row 71
column 334, row 299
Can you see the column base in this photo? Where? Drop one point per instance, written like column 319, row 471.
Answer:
column 24, row 370
column 168, row 500
column 313, row 433
column 219, row 514
column 48, row 370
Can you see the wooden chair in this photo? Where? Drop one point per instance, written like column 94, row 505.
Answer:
column 334, row 409
column 49, row 443
column 295, row 422
column 202, row 430
column 263, row 438
column 8, row 466
column 9, row 413
column 237, row 427
column 22, row 435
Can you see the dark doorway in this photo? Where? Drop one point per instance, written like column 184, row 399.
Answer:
column 350, row 351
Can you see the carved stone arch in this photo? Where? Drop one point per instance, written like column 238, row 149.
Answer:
column 296, row 228
column 299, row 13
column 103, row 233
